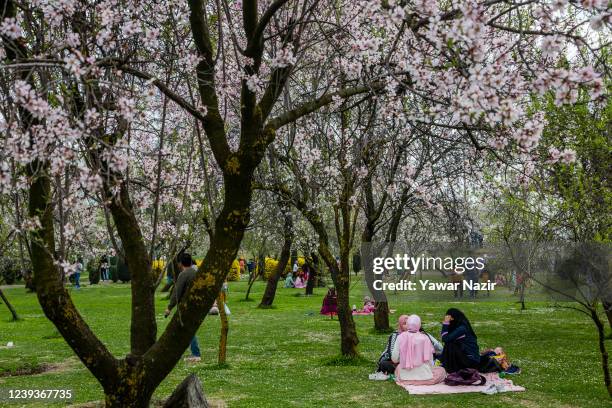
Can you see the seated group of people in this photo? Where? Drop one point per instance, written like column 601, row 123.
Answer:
column 300, row 281
column 411, row 353
column 330, row 305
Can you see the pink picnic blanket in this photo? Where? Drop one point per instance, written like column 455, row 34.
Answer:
column 492, row 378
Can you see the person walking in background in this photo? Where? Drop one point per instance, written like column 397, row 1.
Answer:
column 184, row 280
column 77, row 273
column 250, row 267
column 104, row 269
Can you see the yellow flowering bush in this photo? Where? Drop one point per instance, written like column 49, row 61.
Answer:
column 234, row 273
column 158, row 265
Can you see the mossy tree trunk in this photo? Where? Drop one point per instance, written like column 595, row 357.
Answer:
column 131, row 381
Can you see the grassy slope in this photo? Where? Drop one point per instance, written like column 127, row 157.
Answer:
column 280, row 357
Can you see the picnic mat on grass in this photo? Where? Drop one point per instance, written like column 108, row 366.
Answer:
column 492, row 378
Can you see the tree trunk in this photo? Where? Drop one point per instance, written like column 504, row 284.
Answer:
column 602, row 349
column 224, row 328
column 261, row 265
column 348, row 331
column 608, row 309
column 132, row 381
column 251, row 282
column 270, row 292
column 10, row 307
column 128, row 395
column 188, row 394
column 381, row 316
column 381, row 312
column 341, row 277
column 144, row 327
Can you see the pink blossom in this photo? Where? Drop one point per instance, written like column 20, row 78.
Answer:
column 151, row 36
column 498, row 143
column 92, row 117
column 568, row 156
column 558, row 5
column 26, row 97
column 10, row 28
column 551, row 46
column 73, row 64
column 398, row 14
column 283, row 59
column 90, row 182
column 131, row 28
column 127, row 108
column 254, row 83
column 553, row 155
column 73, row 40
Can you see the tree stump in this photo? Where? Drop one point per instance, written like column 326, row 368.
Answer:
column 189, row 394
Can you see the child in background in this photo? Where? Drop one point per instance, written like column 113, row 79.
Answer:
column 368, row 305
column 330, row 303
column 299, row 281
column 501, row 357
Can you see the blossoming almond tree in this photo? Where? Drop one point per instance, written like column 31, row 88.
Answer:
column 78, row 96
column 80, row 73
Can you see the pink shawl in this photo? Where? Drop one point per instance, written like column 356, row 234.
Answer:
column 415, row 347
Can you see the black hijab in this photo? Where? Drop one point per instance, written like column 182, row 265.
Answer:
column 458, row 320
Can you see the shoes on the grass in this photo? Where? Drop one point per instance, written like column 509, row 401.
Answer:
column 491, row 389
column 494, row 388
column 513, row 369
column 378, row 376
column 192, row 359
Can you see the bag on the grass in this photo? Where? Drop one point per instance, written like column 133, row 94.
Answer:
column 465, row 376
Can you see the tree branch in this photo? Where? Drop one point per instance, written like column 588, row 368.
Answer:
column 311, row 106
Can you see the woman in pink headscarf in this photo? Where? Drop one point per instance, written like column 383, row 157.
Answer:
column 385, row 365
column 413, row 353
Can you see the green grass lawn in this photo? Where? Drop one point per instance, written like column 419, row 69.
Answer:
column 284, row 356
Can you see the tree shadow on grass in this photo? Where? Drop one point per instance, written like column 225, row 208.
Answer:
column 374, row 331
column 54, row 335
column 27, row 369
column 215, row 367
column 267, row 307
column 342, row 361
